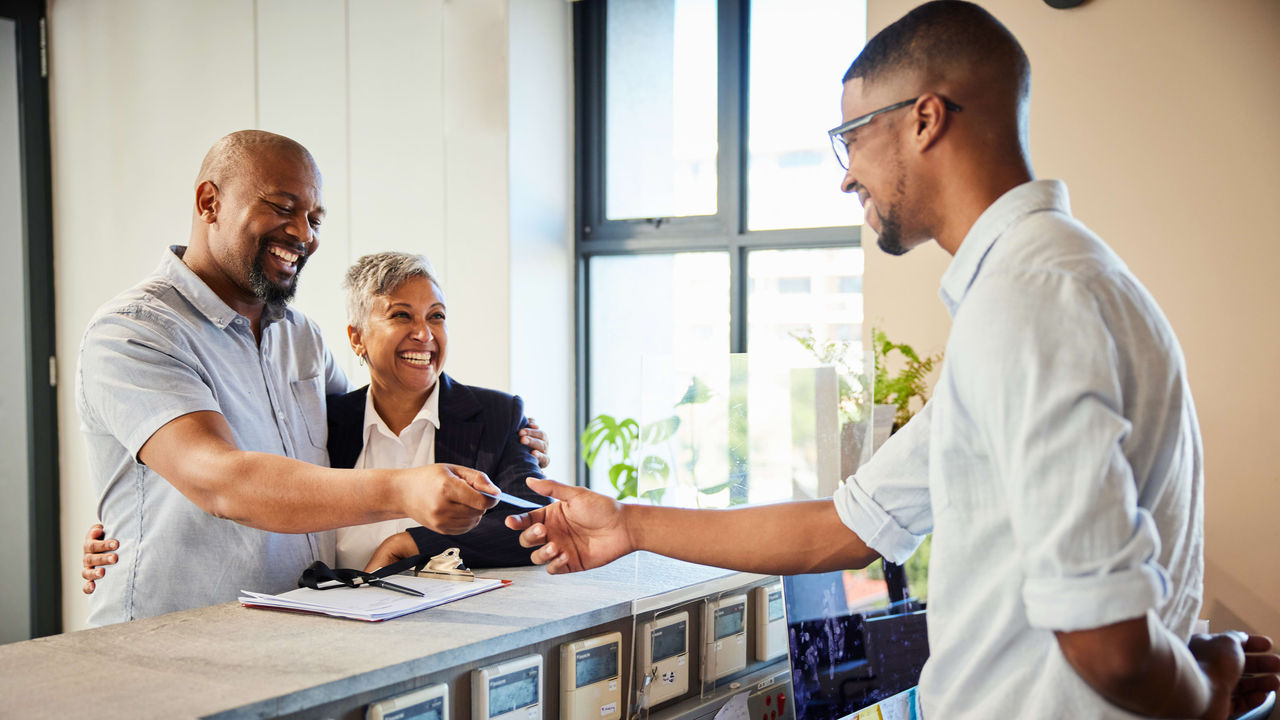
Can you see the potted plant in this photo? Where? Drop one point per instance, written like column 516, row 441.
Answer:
column 909, row 383
column 621, row 440
column 890, row 398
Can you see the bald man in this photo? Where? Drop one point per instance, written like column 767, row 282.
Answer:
column 1058, row 464
column 201, row 396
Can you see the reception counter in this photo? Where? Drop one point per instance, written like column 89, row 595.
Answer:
column 228, row 661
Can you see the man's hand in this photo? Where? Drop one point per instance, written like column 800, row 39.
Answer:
column 97, row 555
column 1241, row 671
column 394, row 548
column 535, row 439
column 449, row 499
column 583, row 530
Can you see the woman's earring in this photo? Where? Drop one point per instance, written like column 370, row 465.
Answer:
column 360, row 359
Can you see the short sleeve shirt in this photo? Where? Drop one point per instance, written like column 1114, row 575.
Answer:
column 168, row 347
column 1058, row 465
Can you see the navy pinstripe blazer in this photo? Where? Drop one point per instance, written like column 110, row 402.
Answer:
column 478, row 429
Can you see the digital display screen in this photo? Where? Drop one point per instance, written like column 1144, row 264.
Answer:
column 775, row 605
column 513, row 691
column 729, row 620
column 846, row 657
column 596, row 664
column 432, row 709
column 668, row 641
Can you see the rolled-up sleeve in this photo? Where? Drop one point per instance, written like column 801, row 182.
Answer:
column 1055, row 428
column 135, row 377
column 887, row 502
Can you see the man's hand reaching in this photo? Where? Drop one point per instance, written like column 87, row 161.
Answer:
column 583, row 530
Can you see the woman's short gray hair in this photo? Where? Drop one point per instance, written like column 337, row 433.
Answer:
column 380, row 274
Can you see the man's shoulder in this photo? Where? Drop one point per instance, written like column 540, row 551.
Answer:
column 154, row 299
column 1054, row 242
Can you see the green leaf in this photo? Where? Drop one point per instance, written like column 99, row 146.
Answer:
column 654, row 496
column 659, row 431
column 654, row 466
column 623, row 478
column 698, row 392
column 713, row 489
column 629, row 434
column 603, row 433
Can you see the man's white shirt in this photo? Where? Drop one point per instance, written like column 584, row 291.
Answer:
column 1058, row 464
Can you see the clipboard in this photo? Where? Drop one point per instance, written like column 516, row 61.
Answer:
column 357, row 595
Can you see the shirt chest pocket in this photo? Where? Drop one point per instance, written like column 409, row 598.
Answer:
column 309, row 395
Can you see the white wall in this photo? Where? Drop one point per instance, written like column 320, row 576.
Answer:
column 541, row 191
column 407, row 107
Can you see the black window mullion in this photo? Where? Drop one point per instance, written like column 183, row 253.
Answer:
column 731, row 160
column 588, row 56
column 738, row 286
column 670, row 244
column 656, row 228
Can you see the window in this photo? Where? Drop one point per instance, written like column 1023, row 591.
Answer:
column 711, row 233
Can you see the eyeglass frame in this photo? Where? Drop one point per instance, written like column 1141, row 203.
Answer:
column 837, row 133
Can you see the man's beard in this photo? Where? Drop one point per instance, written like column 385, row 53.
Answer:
column 890, row 238
column 264, row 289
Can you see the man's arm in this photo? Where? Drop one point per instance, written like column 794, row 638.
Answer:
column 586, row 530
column 198, row 455
column 1140, row 666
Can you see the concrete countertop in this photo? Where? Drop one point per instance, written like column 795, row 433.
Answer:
column 261, row 663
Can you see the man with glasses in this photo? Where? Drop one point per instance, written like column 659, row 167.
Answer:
column 1059, row 462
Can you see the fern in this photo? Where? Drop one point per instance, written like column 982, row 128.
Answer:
column 910, row 383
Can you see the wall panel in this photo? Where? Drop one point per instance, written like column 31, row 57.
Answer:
column 541, row 192
column 302, row 93
column 477, row 242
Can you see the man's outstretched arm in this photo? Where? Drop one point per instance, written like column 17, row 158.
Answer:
column 198, row 455
column 586, row 530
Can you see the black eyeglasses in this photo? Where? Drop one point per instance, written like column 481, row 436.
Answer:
column 841, row 148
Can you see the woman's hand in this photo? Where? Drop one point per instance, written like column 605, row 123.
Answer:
column 397, row 547
column 97, row 556
column 536, row 440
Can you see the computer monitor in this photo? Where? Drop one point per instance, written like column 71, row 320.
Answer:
column 850, row 646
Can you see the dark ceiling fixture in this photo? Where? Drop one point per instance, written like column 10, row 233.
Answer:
column 1063, row 4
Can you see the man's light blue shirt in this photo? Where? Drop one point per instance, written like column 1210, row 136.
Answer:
column 168, row 347
column 1058, row 465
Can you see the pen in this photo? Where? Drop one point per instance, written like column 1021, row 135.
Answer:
column 397, row 588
